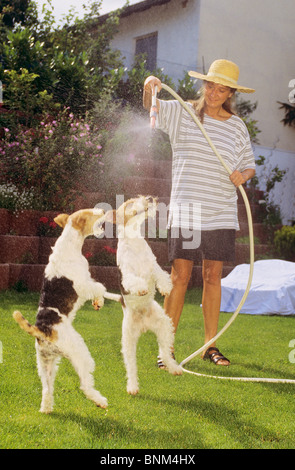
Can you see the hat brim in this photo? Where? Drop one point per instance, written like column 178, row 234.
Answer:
column 222, row 81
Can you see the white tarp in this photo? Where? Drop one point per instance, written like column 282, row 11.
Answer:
column 272, row 290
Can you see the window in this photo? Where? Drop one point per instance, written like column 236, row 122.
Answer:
column 148, row 45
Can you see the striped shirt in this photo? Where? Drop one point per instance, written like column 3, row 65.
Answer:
column 202, row 195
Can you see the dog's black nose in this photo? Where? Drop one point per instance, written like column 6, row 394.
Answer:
column 150, row 199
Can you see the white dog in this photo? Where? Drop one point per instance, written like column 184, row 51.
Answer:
column 67, row 286
column 140, row 275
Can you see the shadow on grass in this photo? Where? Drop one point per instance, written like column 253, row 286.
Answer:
column 209, row 425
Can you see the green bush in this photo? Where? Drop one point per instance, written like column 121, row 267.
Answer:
column 284, row 241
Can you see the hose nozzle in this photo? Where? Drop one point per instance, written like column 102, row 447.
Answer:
column 154, row 111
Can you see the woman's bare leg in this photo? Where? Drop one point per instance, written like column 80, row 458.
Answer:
column 180, row 276
column 212, row 272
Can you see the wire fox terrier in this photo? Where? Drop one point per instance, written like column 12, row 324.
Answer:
column 66, row 287
column 140, row 276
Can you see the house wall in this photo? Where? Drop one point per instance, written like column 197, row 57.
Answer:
column 259, row 36
column 177, row 50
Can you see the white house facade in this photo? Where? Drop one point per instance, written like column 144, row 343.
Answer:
column 259, row 35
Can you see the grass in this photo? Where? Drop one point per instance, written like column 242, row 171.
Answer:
column 185, row 412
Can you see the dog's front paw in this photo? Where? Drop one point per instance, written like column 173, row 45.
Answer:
column 98, row 303
column 165, row 286
column 142, row 292
column 137, row 287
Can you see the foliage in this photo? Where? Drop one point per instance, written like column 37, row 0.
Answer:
column 131, row 90
column 244, row 109
column 15, row 199
column 271, row 215
column 48, row 228
column 186, row 87
column 51, row 159
column 289, row 119
column 284, row 241
column 72, row 64
column 106, row 256
column 12, row 12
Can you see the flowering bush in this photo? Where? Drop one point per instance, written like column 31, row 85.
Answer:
column 15, row 199
column 104, row 257
column 51, row 159
column 48, row 228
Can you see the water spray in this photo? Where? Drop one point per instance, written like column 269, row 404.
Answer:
column 251, row 245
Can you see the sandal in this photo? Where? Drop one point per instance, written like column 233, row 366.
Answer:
column 214, row 355
column 161, row 364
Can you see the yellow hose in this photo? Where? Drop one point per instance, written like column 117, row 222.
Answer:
column 251, row 243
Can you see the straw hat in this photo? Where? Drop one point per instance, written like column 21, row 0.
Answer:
column 224, row 72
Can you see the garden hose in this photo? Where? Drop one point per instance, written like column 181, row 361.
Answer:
column 251, row 243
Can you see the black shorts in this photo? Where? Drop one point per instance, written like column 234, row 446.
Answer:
column 218, row 245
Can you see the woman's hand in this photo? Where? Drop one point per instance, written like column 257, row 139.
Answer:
column 238, row 178
column 149, row 90
column 151, row 82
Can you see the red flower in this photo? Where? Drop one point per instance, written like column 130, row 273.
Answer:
column 88, row 255
column 109, row 249
column 44, row 220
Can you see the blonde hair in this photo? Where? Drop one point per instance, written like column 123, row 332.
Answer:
column 199, row 105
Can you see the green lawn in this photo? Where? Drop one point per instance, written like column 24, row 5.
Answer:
column 185, row 412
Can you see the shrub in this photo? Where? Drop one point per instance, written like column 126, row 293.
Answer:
column 14, row 199
column 104, row 257
column 51, row 159
column 284, row 241
column 48, row 228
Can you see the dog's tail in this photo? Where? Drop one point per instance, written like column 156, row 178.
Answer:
column 31, row 329
column 115, row 297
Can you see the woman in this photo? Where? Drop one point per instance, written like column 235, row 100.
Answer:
column 204, row 198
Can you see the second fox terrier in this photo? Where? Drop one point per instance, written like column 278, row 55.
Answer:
column 140, row 276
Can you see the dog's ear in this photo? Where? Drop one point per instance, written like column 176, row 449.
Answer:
column 79, row 220
column 61, row 220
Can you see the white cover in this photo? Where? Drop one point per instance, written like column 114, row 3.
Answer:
column 272, row 290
